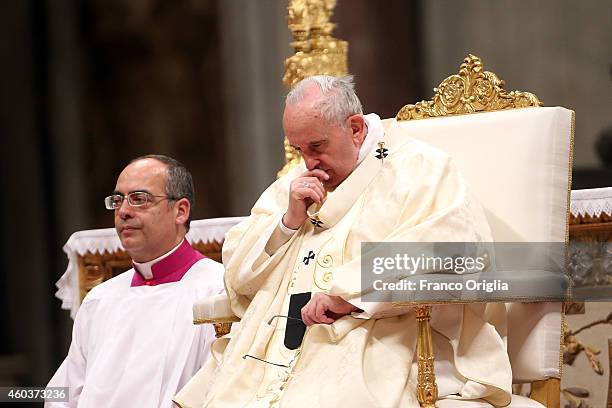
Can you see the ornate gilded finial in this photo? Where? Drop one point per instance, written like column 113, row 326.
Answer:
column 317, row 52
column 298, row 21
column 320, row 15
column 471, row 90
column 329, row 54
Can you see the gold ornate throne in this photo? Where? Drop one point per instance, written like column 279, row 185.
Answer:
column 516, row 158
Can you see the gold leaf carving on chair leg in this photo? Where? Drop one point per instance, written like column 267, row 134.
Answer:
column 427, row 390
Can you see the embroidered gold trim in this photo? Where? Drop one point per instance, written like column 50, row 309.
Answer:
column 567, row 236
column 407, row 303
column 326, row 262
column 562, row 341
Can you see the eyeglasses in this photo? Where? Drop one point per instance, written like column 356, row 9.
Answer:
column 140, row 199
column 295, row 342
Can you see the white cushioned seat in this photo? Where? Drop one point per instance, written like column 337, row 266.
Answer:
column 517, row 402
column 213, row 309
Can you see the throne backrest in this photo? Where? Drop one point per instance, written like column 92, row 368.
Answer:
column 516, row 158
column 517, row 162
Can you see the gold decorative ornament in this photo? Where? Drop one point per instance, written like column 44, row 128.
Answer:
column 326, row 261
column 327, row 277
column 96, row 267
column 317, row 52
column 221, row 329
column 329, row 54
column 427, row 390
column 322, row 279
column 471, row 90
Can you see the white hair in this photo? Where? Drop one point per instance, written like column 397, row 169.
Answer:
column 339, row 99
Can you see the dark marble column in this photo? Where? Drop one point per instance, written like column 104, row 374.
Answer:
column 25, row 356
column 384, row 51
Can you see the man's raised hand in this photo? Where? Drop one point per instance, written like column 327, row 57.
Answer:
column 304, row 191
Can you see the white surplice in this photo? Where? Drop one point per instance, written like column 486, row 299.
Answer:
column 135, row 346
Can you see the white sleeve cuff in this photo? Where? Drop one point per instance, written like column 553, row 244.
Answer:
column 286, row 230
column 280, row 236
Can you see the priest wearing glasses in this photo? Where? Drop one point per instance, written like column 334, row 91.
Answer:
column 133, row 341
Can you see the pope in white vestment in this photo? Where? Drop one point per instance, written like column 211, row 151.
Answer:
column 401, row 190
column 134, row 343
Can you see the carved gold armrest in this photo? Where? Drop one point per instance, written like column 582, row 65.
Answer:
column 215, row 310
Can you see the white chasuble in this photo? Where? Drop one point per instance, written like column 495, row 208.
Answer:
column 414, row 194
column 135, row 346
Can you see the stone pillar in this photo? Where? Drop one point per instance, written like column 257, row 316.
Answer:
column 26, row 195
column 255, row 42
column 384, row 51
column 70, row 210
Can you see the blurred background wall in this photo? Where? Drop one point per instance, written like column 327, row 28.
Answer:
column 87, row 85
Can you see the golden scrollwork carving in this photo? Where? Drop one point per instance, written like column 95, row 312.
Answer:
column 221, row 329
column 471, row 90
column 427, row 390
column 95, row 268
column 297, row 15
column 329, row 54
column 317, row 52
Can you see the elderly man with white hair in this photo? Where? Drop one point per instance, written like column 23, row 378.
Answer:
column 297, row 257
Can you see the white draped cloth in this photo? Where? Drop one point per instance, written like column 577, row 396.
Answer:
column 592, row 202
column 136, row 346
